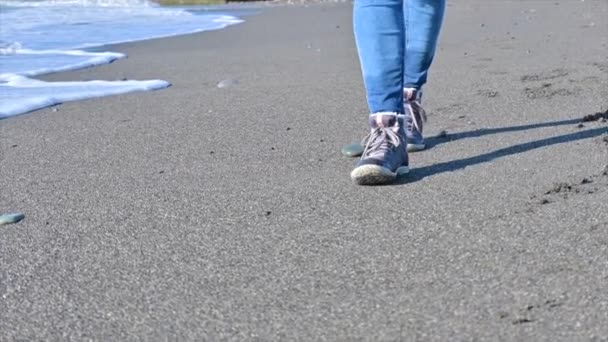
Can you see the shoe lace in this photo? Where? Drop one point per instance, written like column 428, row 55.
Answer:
column 417, row 113
column 412, row 103
column 379, row 141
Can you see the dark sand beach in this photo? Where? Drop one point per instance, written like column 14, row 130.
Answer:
column 211, row 214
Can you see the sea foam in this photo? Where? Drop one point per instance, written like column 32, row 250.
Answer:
column 42, row 37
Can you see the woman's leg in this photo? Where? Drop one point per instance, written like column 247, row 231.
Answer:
column 380, row 38
column 379, row 34
column 422, row 19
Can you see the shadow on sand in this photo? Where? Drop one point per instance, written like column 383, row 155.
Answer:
column 422, row 172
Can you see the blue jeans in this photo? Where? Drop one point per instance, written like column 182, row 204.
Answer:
column 396, row 42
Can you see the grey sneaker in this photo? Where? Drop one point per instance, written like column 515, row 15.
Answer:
column 385, row 155
column 415, row 119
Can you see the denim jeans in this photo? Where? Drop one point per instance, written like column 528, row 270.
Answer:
column 396, row 42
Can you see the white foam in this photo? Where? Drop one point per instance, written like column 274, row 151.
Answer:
column 41, row 37
column 33, row 63
column 19, row 94
column 67, row 27
column 82, row 3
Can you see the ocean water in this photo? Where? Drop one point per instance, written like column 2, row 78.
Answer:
column 42, row 37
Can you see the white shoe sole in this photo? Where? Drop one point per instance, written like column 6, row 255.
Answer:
column 376, row 175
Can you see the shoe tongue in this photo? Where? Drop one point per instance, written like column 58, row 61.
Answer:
column 412, row 94
column 379, row 120
column 409, row 94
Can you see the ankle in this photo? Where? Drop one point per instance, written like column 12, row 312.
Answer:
column 412, row 94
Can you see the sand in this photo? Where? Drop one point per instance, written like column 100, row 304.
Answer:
column 206, row 213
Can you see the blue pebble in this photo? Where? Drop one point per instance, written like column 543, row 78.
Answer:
column 352, row 150
column 11, row 218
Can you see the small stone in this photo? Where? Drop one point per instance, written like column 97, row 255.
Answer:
column 605, row 170
column 442, row 134
column 523, row 320
column 11, row 218
column 605, row 139
column 545, row 201
column 352, row 150
column 288, row 128
column 268, row 213
column 14, row 145
column 227, row 83
column 586, row 181
column 580, row 125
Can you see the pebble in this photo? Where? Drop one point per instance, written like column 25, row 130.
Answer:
column 11, row 218
column 352, row 150
column 227, row 83
column 442, row 134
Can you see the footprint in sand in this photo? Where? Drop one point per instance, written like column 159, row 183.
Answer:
column 547, row 91
column 545, row 76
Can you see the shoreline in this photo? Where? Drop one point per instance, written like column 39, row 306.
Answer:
column 94, row 56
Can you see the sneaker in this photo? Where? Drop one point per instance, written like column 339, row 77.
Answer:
column 415, row 117
column 385, row 156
